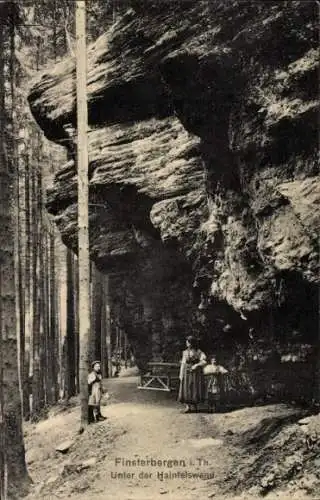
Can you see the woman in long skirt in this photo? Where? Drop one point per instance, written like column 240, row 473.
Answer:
column 192, row 385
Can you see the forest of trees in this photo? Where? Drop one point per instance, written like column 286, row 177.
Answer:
column 39, row 345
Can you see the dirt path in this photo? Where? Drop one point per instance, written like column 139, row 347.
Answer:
column 182, row 443
column 146, row 449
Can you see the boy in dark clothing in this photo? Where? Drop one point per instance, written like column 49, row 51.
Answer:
column 95, row 393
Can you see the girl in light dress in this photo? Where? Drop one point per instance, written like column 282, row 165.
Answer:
column 216, row 382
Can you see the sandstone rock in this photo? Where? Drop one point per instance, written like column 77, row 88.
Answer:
column 268, row 481
column 89, row 463
column 52, row 479
column 68, row 469
column 304, row 421
column 82, row 485
column 64, row 446
column 203, row 138
column 305, row 198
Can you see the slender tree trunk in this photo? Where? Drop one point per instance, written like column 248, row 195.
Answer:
column 36, row 323
column 63, row 306
column 32, row 245
column 95, row 332
column 91, row 346
column 3, row 458
column 54, row 337
column 107, row 324
column 70, row 372
column 27, row 309
column 76, row 320
column 83, row 215
column 317, row 374
column 13, row 471
column 48, row 351
column 16, row 208
column 22, row 325
column 54, row 38
column 98, row 313
column 44, row 286
column 103, row 330
column 4, row 211
column 125, row 350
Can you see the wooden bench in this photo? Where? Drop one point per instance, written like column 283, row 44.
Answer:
column 161, row 377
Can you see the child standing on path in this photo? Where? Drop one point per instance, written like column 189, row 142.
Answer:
column 216, row 383
column 95, row 393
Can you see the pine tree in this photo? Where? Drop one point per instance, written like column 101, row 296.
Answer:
column 83, row 218
column 13, row 471
column 70, row 368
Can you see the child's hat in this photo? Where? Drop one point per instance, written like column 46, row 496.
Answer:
column 95, row 362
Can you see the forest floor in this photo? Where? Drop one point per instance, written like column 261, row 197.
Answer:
column 242, row 454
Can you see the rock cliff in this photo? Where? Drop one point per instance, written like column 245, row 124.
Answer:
column 203, row 173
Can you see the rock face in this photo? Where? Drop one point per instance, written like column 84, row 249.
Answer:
column 202, row 150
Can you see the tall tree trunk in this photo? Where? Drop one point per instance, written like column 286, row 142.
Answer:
column 28, row 287
column 36, row 322
column 33, row 275
column 95, row 331
column 107, row 324
column 21, row 236
column 54, row 338
column 13, row 471
column 43, row 285
column 103, row 330
column 98, row 312
column 317, row 374
column 125, row 349
column 16, row 207
column 76, row 319
column 63, row 306
column 70, row 372
column 48, row 349
column 83, row 215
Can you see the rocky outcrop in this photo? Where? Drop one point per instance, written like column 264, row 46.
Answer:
column 202, row 150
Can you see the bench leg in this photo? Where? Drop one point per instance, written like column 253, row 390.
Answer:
column 166, row 386
column 147, row 385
